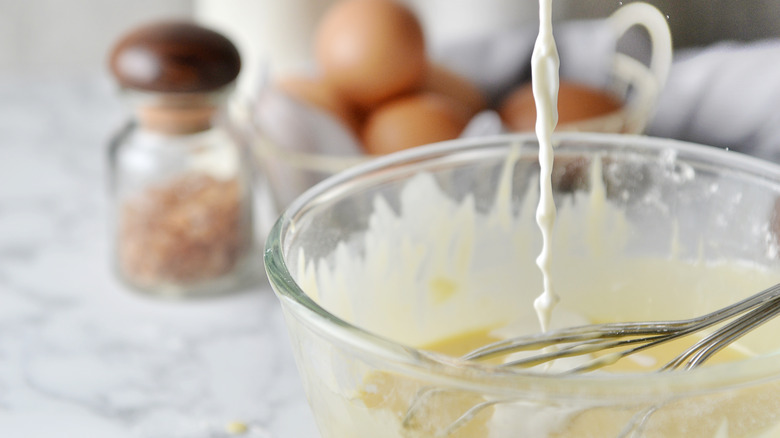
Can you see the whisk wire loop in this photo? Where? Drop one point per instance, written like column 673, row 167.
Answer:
column 588, row 339
column 737, row 320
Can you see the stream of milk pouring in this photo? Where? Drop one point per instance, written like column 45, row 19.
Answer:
column 544, row 71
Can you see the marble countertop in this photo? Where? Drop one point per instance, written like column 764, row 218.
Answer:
column 81, row 355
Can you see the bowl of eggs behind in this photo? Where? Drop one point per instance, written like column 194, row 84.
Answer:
column 375, row 89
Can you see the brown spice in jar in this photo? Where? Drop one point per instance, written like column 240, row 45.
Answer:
column 187, row 230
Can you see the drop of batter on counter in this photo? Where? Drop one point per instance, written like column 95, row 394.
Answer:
column 236, row 428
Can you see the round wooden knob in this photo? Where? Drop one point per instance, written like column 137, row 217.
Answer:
column 174, row 57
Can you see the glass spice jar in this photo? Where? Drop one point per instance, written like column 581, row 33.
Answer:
column 180, row 182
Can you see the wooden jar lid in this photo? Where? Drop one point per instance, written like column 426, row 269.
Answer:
column 174, row 57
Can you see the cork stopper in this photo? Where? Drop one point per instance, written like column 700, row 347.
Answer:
column 174, row 57
column 180, row 69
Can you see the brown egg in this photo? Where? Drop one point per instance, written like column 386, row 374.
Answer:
column 413, row 120
column 320, row 94
column 371, row 50
column 575, row 103
column 441, row 80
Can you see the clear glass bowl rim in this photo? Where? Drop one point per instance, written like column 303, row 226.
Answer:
column 450, row 371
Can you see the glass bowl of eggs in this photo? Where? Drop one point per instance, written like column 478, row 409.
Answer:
column 375, row 87
column 388, row 272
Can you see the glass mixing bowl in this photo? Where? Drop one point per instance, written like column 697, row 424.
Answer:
column 377, row 264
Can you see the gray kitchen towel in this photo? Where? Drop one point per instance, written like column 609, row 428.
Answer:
column 725, row 95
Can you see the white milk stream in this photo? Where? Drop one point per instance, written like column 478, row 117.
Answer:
column 544, row 71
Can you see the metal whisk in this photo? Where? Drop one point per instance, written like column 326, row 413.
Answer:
column 628, row 338
column 633, row 337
